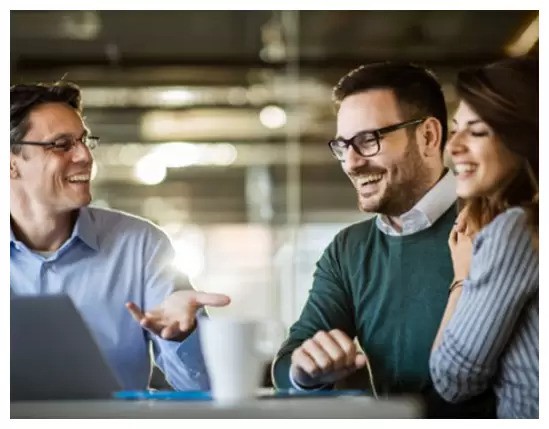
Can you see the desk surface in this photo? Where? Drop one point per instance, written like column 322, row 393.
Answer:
column 338, row 407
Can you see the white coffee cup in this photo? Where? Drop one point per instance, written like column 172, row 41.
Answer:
column 235, row 352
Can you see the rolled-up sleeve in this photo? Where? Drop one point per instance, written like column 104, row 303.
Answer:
column 503, row 277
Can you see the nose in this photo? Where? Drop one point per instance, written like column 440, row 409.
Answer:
column 81, row 153
column 456, row 145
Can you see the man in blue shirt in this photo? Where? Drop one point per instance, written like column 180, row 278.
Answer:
column 103, row 259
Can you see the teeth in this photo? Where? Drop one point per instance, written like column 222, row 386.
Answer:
column 79, row 178
column 464, row 168
column 370, row 178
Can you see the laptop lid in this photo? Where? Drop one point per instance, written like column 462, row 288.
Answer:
column 53, row 354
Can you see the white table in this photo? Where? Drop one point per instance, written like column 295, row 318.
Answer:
column 293, row 408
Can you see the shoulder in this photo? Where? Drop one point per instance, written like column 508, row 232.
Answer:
column 117, row 222
column 356, row 232
column 353, row 237
column 507, row 230
column 511, row 223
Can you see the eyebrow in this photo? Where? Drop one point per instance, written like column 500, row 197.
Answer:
column 58, row 136
column 371, row 131
column 471, row 122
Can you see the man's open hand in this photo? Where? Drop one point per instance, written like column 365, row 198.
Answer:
column 175, row 318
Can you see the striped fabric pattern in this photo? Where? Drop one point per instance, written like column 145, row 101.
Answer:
column 492, row 340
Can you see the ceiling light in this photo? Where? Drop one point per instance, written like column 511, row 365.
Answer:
column 272, row 117
column 149, row 171
column 525, row 41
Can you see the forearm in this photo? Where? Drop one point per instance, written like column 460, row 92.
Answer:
column 182, row 362
column 280, row 368
column 453, row 300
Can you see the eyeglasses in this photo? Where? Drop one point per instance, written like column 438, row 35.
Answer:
column 366, row 143
column 65, row 144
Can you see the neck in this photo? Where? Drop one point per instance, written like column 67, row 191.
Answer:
column 39, row 229
column 396, row 220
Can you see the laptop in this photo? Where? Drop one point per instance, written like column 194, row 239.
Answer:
column 53, row 354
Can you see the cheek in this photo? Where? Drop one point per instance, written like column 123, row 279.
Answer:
column 497, row 164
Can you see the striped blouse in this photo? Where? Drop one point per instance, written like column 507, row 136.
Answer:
column 492, row 339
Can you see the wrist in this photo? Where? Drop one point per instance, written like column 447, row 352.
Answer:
column 456, row 284
column 303, row 381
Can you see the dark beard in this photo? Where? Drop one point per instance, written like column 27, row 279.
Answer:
column 414, row 183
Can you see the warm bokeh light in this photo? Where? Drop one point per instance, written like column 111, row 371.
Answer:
column 150, row 172
column 272, row 117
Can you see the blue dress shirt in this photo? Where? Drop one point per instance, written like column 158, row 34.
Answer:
column 111, row 258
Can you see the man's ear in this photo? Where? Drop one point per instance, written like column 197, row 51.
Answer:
column 14, row 170
column 430, row 137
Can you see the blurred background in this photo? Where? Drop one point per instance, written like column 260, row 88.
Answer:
column 214, row 124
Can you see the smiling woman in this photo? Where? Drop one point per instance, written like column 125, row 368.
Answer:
column 489, row 335
column 494, row 143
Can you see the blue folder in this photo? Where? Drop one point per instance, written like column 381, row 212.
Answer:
column 201, row 395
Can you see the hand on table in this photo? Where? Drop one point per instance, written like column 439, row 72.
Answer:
column 326, row 358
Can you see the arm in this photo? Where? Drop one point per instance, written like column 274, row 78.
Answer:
column 453, row 300
column 504, row 275
column 171, row 309
column 328, row 307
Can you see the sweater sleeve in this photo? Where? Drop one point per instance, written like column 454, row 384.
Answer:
column 503, row 277
column 329, row 306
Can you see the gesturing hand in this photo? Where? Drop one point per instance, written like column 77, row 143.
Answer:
column 175, row 318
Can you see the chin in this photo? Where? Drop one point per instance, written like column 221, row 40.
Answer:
column 370, row 205
column 467, row 193
column 82, row 202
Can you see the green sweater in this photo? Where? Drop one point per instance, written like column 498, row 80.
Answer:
column 388, row 291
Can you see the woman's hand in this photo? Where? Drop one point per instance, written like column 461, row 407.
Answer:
column 461, row 246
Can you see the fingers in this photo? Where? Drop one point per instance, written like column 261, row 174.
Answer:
column 302, row 361
column 170, row 331
column 460, row 224
column 211, row 299
column 186, row 325
column 327, row 352
column 323, row 362
column 135, row 311
column 326, row 358
column 360, row 360
column 147, row 320
column 346, row 344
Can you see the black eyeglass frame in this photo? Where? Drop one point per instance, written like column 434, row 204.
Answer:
column 91, row 142
column 376, row 137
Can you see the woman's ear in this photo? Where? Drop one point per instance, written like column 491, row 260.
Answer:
column 430, row 137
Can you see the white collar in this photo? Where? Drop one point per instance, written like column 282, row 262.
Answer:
column 426, row 211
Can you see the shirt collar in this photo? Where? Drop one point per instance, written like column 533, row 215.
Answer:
column 426, row 211
column 84, row 229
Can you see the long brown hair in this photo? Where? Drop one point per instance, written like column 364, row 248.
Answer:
column 505, row 95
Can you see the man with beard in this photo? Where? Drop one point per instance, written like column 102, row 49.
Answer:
column 385, row 280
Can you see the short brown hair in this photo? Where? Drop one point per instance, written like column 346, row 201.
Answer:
column 25, row 97
column 416, row 89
